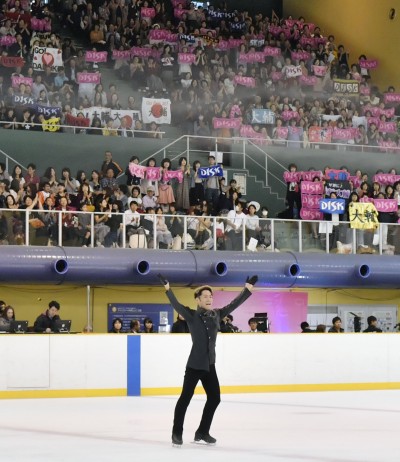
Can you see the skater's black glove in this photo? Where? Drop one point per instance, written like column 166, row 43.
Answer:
column 252, row 280
column 164, row 281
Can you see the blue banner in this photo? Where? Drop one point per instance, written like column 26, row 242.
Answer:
column 161, row 314
column 332, row 206
column 208, row 172
column 47, row 111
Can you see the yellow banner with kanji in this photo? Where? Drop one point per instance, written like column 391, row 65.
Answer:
column 363, row 215
column 51, row 125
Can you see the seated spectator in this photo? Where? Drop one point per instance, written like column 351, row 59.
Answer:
column 164, row 236
column 226, row 325
column 372, row 325
column 253, row 325
column 7, row 315
column 134, row 327
column 116, row 326
column 47, row 322
column 180, row 326
column 148, row 326
column 321, row 328
column 336, row 326
column 305, row 327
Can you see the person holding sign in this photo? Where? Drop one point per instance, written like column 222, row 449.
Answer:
column 203, row 324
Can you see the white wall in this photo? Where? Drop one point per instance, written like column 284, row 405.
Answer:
column 63, row 362
column 245, row 360
column 99, row 362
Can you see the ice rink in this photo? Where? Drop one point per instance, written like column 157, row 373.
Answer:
column 292, row 427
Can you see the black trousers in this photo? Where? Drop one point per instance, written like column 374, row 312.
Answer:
column 210, row 384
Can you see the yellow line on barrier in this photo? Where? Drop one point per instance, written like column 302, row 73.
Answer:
column 237, row 389
column 81, row 393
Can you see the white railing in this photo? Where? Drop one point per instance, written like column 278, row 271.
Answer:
column 77, row 229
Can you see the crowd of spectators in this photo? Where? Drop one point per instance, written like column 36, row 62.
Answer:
column 281, row 79
column 226, row 73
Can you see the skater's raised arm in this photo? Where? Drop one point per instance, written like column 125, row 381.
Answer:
column 241, row 298
column 183, row 310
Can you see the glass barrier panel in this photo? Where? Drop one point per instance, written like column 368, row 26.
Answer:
column 286, row 235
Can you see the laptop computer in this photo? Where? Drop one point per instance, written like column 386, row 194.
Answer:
column 64, row 326
column 18, row 327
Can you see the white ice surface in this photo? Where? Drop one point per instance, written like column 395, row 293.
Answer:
column 281, row 427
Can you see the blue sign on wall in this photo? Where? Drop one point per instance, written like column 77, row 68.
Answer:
column 160, row 314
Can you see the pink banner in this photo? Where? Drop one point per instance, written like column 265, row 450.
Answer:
column 96, row 57
column 286, row 310
column 272, row 51
column 366, row 91
column 308, row 80
column 368, row 63
column 292, row 177
column 223, row 45
column 292, row 72
column 311, row 202
column 386, row 205
column 319, row 71
column 307, row 214
column 235, row 111
column 11, row 61
column 373, row 120
column 247, row 131
column 312, row 187
column 144, row 52
column 392, row 98
column 289, row 115
column 385, row 178
column 179, row 12
column 282, row 132
column 186, row 58
column 171, row 174
column 16, row 81
column 388, row 146
column 88, row 77
column 153, row 173
column 304, row 41
column 147, row 12
column 245, row 81
column 366, row 199
column 356, row 181
column 7, row 40
column 387, row 127
column 342, row 134
column 309, row 175
column 235, row 43
column 389, row 113
column 42, row 25
column 158, row 34
column 137, row 170
column 121, row 54
column 226, row 123
column 254, row 57
column 299, row 55
column 275, row 76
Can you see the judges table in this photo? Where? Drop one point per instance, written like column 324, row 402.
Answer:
column 65, row 365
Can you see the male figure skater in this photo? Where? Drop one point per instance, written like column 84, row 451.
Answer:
column 203, row 324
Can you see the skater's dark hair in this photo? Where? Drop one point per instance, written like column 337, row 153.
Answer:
column 200, row 290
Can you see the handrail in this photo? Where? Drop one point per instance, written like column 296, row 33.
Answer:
column 274, row 235
column 8, row 157
column 74, row 127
